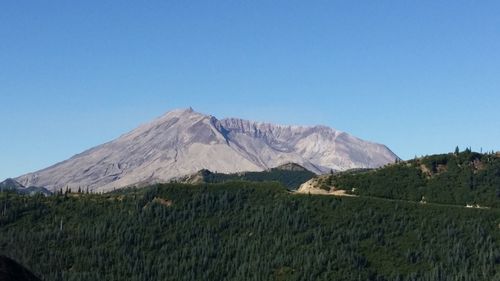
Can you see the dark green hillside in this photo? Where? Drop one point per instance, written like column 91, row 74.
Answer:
column 246, row 231
column 455, row 178
column 290, row 178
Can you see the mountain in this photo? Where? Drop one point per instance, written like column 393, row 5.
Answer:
column 290, row 175
column 182, row 142
column 10, row 185
column 33, row 190
column 10, row 270
column 13, row 185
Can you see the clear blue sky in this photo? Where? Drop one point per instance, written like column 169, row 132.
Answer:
column 418, row 76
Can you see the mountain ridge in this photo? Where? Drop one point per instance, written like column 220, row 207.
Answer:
column 289, row 175
column 14, row 186
column 462, row 178
column 182, row 141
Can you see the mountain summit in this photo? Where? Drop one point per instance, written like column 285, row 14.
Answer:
column 182, row 142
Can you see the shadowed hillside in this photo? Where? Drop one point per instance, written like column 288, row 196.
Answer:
column 289, row 175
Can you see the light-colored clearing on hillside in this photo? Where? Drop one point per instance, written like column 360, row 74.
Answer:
column 312, row 187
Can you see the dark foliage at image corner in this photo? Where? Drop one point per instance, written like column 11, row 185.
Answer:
column 10, row 270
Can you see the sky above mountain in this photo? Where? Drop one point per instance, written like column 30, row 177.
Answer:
column 418, row 76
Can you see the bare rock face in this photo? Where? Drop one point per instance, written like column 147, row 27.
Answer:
column 314, row 186
column 182, row 142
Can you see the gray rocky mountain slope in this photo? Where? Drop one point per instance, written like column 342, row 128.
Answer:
column 14, row 186
column 182, row 142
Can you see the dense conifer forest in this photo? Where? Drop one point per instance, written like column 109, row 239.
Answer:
column 246, row 231
column 460, row 178
column 290, row 179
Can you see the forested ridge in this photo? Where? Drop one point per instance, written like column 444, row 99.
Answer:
column 460, row 178
column 291, row 179
column 245, row 231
